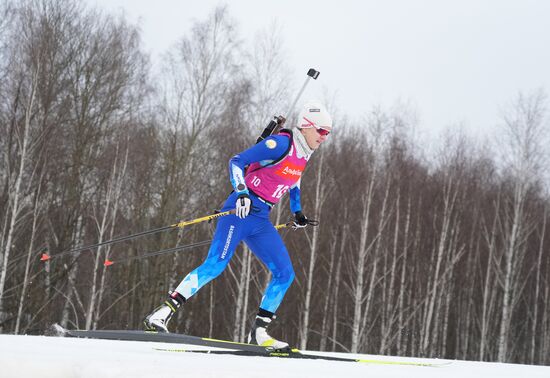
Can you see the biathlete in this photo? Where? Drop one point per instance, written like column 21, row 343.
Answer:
column 260, row 176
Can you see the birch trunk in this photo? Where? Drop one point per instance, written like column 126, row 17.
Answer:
column 489, row 286
column 449, row 202
column 388, row 315
column 4, row 229
column 16, row 193
column 544, row 354
column 36, row 213
column 328, row 297
column 114, row 213
column 211, row 312
column 101, row 291
column 526, row 134
column 383, row 218
column 319, row 196
column 358, row 287
column 533, row 356
column 93, row 289
column 73, row 271
column 402, row 284
column 241, row 289
column 510, row 272
column 102, row 229
column 336, row 294
column 244, row 319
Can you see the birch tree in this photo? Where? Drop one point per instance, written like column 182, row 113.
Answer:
column 23, row 136
column 202, row 72
column 321, row 192
column 270, row 77
column 525, row 130
column 108, row 221
column 367, row 238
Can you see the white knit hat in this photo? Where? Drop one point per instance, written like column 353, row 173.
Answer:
column 314, row 114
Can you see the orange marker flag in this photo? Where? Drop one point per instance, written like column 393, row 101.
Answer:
column 108, row 262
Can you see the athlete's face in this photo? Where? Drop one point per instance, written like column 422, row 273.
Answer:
column 315, row 136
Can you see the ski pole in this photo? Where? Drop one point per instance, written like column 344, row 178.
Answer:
column 180, row 224
column 279, row 120
column 183, row 224
column 311, row 74
column 109, row 262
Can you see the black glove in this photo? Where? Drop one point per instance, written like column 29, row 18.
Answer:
column 300, row 220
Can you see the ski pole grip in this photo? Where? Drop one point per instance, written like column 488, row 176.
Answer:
column 313, row 73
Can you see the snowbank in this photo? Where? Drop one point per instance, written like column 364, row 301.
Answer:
column 41, row 356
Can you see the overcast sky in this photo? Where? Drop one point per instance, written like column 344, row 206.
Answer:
column 457, row 62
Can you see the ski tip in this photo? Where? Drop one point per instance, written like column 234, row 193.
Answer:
column 402, row 363
column 108, row 262
column 45, row 257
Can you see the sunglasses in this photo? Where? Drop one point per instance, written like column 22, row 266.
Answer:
column 321, row 131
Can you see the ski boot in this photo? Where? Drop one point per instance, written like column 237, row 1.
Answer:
column 258, row 335
column 159, row 318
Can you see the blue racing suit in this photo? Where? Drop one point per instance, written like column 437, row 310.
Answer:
column 256, row 230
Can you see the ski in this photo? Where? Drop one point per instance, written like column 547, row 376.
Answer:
column 229, row 347
column 173, row 338
column 294, row 353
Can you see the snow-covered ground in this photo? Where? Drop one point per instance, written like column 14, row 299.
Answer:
column 42, row 356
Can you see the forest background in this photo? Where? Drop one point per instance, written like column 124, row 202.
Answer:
column 439, row 253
